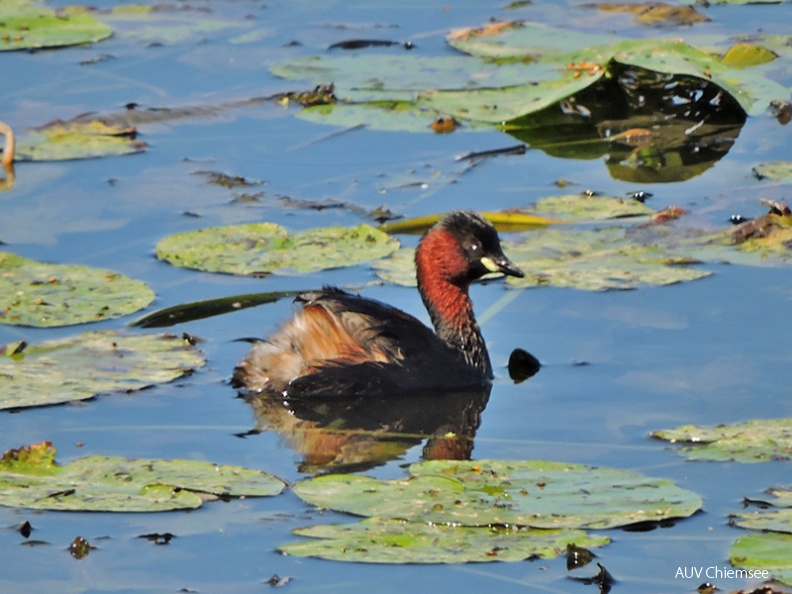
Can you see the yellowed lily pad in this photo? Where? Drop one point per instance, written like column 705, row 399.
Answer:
column 751, row 441
column 78, row 139
column 378, row 540
column 31, row 25
column 266, row 248
column 40, row 294
column 30, row 478
column 92, row 363
column 533, row 493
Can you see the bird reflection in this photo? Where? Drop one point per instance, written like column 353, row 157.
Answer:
column 352, row 434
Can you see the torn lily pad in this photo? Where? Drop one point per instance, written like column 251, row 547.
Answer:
column 92, row 363
column 30, row 25
column 532, row 493
column 45, row 295
column 30, row 478
column 264, row 248
column 750, row 441
column 378, row 540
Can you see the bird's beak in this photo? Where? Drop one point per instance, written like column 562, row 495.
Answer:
column 503, row 265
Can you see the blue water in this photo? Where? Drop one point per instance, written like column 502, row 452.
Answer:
column 706, row 352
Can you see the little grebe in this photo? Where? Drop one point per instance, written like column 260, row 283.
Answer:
column 344, row 344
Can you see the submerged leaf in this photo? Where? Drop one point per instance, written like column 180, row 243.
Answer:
column 91, row 363
column 750, row 441
column 45, row 295
column 25, row 24
column 104, row 483
column 378, row 540
column 531, row 493
column 266, row 248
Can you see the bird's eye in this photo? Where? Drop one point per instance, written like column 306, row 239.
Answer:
column 474, row 247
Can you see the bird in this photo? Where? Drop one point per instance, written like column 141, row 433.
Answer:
column 341, row 344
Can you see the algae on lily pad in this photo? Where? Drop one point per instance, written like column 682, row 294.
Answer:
column 30, row 478
column 92, row 363
column 532, row 493
column 79, row 138
column 378, row 540
column 264, row 248
column 31, row 25
column 758, row 440
column 45, row 295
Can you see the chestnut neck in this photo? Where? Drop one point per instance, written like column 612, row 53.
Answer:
column 440, row 270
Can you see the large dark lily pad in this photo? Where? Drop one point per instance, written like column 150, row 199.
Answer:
column 530, row 493
column 29, row 478
column 377, row 540
column 265, row 248
column 40, row 294
column 30, row 25
column 750, row 441
column 88, row 364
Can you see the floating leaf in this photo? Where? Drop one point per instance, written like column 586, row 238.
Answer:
column 764, row 551
column 534, row 493
column 30, row 479
column 88, row 364
column 377, row 540
column 775, row 171
column 596, row 260
column 198, row 310
column 751, row 441
column 265, row 248
column 582, row 207
column 398, row 268
column 28, row 25
column 503, row 221
column 656, row 13
column 39, row 294
column 744, row 55
column 78, row 139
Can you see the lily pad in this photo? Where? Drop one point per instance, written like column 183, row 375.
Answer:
column 92, row 363
column 582, row 207
column 536, row 494
column 751, row 441
column 29, row 478
column 765, row 551
column 265, row 248
column 80, row 138
column 377, row 540
column 29, row 25
column 776, row 171
column 596, row 260
column 45, row 295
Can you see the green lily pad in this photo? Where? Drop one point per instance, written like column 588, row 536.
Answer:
column 265, row 248
column 80, row 138
column 532, row 493
column 776, row 171
column 751, row 441
column 92, row 363
column 596, row 260
column 764, row 551
column 29, row 478
column 377, row 540
column 45, row 295
column 581, row 207
column 29, row 25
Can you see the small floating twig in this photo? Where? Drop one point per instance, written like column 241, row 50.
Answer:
column 518, row 149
